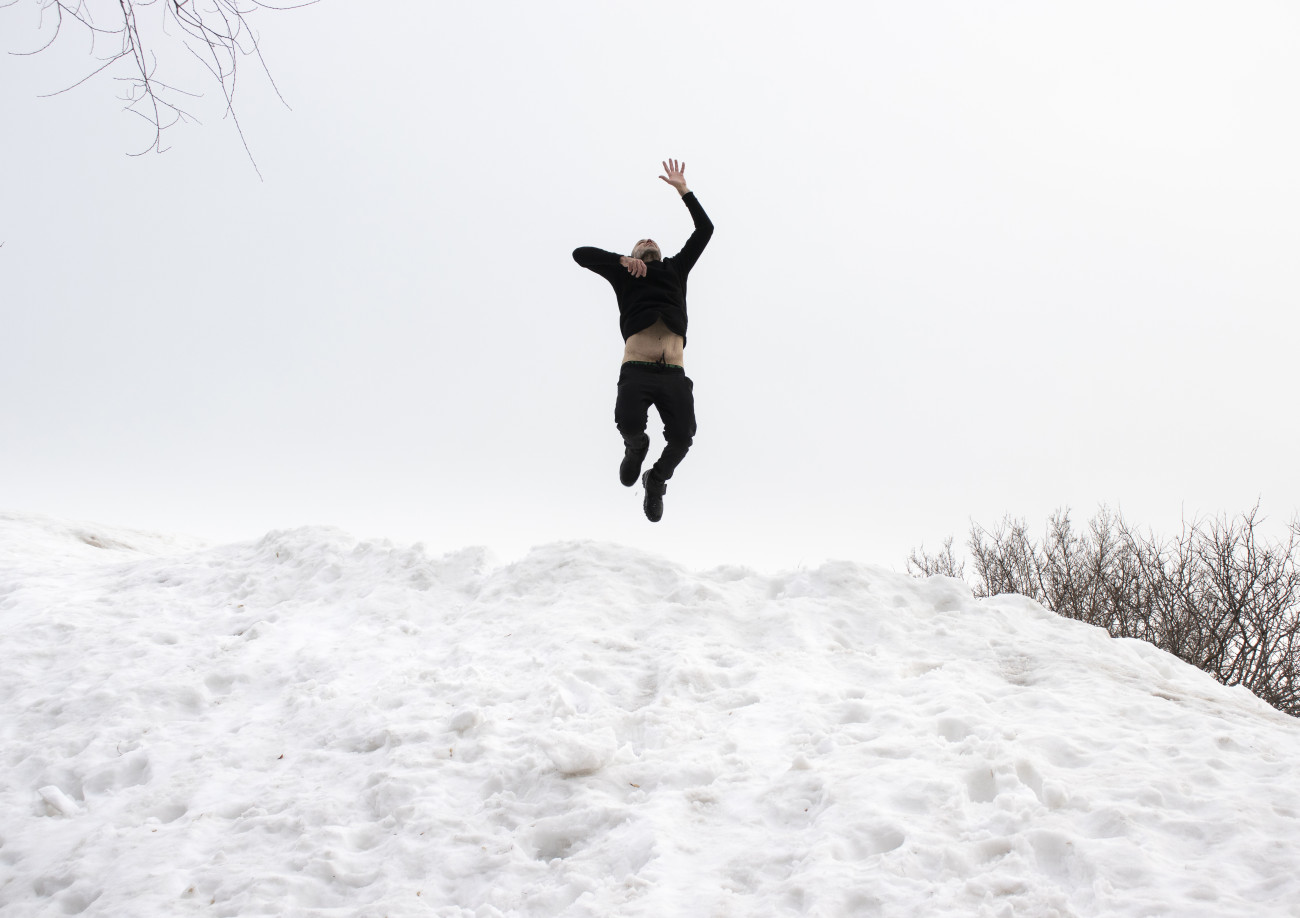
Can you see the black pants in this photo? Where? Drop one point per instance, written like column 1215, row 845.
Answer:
column 671, row 391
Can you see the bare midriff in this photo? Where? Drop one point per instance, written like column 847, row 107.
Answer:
column 655, row 343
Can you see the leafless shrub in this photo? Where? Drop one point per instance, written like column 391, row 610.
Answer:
column 1217, row 595
column 945, row 564
column 127, row 36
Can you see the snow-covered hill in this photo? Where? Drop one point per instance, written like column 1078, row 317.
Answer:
column 312, row 725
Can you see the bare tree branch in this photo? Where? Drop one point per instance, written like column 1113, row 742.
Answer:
column 216, row 33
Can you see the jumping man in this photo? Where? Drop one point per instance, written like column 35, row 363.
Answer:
column 651, row 293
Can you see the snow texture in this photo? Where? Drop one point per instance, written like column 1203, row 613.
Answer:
column 315, row 725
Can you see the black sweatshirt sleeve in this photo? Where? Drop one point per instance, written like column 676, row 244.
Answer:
column 590, row 256
column 606, row 264
column 690, row 253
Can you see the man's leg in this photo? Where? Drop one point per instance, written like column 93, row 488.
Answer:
column 675, row 401
column 630, row 410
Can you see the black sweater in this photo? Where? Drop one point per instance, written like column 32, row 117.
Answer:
column 661, row 294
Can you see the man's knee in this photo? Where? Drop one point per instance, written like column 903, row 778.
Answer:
column 635, row 439
column 680, row 435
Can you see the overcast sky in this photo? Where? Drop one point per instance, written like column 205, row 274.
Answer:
column 970, row 260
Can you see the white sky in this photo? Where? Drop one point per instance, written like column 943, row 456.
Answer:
column 970, row 259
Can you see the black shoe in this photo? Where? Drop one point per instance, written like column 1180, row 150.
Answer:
column 654, row 496
column 630, row 470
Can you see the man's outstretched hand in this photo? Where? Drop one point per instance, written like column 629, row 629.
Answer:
column 676, row 176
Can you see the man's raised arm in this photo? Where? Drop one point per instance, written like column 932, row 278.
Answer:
column 690, row 253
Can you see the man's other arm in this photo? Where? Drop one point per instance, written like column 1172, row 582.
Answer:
column 608, row 264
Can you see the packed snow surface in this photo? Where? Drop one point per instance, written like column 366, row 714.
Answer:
column 313, row 725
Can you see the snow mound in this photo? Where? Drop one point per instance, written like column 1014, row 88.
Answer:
column 314, row 725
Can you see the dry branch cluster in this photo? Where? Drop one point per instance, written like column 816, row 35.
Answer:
column 1217, row 595
column 133, row 34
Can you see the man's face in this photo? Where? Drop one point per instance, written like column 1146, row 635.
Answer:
column 646, row 250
